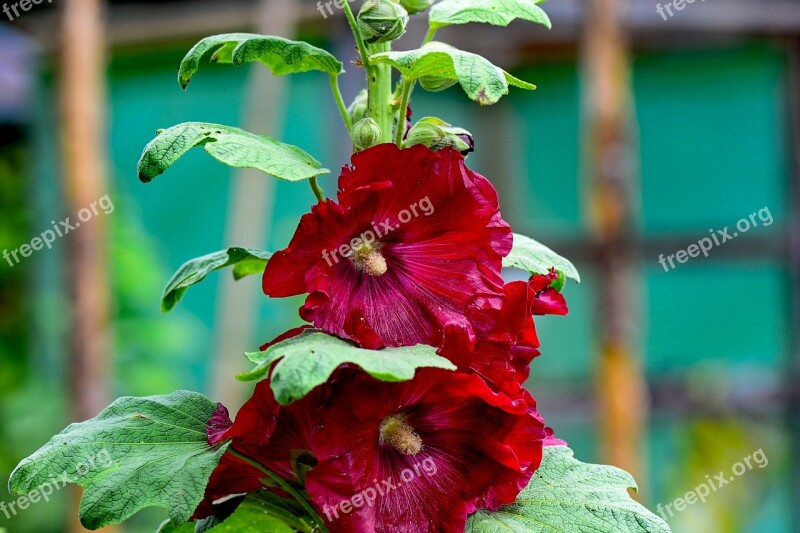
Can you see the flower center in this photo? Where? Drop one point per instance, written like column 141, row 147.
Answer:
column 396, row 432
column 369, row 259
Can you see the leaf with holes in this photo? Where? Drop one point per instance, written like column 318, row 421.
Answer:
column 281, row 56
column 232, row 146
column 137, row 453
column 245, row 262
column 495, row 12
column 483, row 82
column 536, row 258
column 565, row 495
column 301, row 363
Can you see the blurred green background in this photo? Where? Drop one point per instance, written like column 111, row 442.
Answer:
column 716, row 97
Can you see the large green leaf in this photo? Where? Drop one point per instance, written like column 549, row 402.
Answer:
column 496, row 12
column 567, row 496
column 245, row 261
column 303, row 362
column 280, row 55
column 264, row 511
column 232, row 146
column 536, row 258
column 483, row 82
column 137, row 453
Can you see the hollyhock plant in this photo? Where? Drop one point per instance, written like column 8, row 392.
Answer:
column 414, row 231
column 401, row 405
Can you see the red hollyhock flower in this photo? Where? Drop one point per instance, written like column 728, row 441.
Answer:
column 503, row 355
column 414, row 243
column 419, row 456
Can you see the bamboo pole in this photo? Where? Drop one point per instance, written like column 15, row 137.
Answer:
column 81, row 86
column 613, row 200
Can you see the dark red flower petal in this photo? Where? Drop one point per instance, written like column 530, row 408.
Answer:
column 231, row 477
column 218, row 425
column 266, row 432
column 503, row 354
column 435, row 260
column 551, row 440
column 547, row 300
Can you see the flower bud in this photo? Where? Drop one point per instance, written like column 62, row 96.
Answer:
column 416, row 6
column 437, row 134
column 435, row 83
column 366, row 133
column 381, row 21
column 358, row 109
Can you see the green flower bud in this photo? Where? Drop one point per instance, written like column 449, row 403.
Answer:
column 416, row 6
column 437, row 134
column 435, row 83
column 366, row 133
column 358, row 109
column 381, row 21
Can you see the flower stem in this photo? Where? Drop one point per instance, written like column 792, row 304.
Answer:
column 408, row 86
column 337, row 95
column 429, row 36
column 284, row 485
column 316, row 189
column 362, row 48
column 379, row 87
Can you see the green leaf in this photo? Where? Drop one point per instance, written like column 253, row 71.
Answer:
column 245, row 261
column 565, row 496
column 303, row 362
column 280, row 55
column 495, row 12
column 232, row 146
column 483, row 82
column 264, row 511
column 168, row 527
column 536, row 258
column 137, row 453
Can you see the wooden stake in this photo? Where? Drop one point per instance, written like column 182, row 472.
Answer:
column 82, row 98
column 613, row 200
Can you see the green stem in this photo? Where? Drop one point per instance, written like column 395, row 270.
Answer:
column 337, row 95
column 408, row 86
column 284, row 485
column 316, row 189
column 362, row 48
column 379, row 87
column 429, row 36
